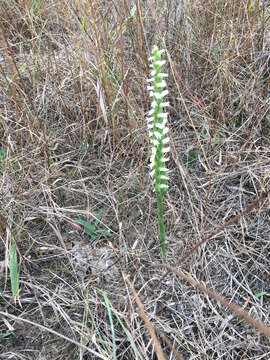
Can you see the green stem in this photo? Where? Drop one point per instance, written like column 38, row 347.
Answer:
column 161, row 223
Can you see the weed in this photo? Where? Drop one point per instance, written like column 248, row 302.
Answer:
column 92, row 229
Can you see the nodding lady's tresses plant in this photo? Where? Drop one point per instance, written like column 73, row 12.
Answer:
column 158, row 132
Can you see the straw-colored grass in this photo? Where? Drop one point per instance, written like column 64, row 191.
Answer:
column 77, row 207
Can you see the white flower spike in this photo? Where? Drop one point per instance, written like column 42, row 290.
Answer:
column 158, row 132
column 157, row 122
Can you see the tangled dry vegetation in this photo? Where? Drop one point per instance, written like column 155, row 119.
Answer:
column 74, row 145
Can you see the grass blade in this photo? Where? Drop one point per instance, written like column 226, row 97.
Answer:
column 14, row 270
column 108, row 306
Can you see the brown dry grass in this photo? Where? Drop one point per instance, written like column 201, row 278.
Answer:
column 73, row 102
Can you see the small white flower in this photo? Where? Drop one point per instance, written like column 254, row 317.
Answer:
column 164, row 177
column 165, row 141
column 162, row 83
column 165, row 131
column 159, row 95
column 163, row 115
column 161, row 51
column 166, row 150
column 165, row 104
column 150, row 119
column 160, row 62
column 160, row 126
column 157, row 134
column 163, row 186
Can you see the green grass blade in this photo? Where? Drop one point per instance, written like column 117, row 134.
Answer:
column 14, row 270
column 108, row 306
column 99, row 335
column 128, row 334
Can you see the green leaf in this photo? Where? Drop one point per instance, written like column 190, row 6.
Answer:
column 91, row 229
column 104, row 232
column 88, row 227
column 260, row 294
column 98, row 218
column 3, row 153
column 4, row 335
column 14, row 270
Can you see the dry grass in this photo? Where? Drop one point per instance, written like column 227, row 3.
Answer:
column 73, row 102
